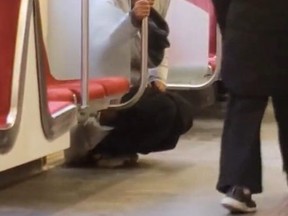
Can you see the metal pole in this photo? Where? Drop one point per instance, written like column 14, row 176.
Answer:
column 84, row 52
column 144, row 51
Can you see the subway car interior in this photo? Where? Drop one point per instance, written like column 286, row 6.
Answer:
column 61, row 72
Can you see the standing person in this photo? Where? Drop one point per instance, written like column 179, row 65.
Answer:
column 254, row 67
column 156, row 122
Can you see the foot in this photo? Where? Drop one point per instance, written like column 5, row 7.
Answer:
column 108, row 161
column 239, row 200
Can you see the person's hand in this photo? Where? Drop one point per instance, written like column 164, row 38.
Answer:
column 141, row 9
column 159, row 86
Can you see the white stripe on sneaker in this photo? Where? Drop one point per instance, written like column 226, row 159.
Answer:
column 236, row 206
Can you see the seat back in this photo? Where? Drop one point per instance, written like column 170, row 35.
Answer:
column 189, row 51
column 192, row 56
column 9, row 13
column 64, row 40
column 207, row 6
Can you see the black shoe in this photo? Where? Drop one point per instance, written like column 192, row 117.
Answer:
column 239, row 200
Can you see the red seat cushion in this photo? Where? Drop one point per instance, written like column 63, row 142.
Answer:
column 60, row 94
column 113, row 85
column 55, row 106
column 96, row 91
column 98, row 88
column 9, row 13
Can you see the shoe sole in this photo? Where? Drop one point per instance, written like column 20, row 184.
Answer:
column 234, row 206
column 116, row 163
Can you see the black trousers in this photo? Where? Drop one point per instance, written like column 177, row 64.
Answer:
column 154, row 124
column 240, row 162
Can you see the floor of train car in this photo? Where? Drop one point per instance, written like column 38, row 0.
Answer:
column 176, row 183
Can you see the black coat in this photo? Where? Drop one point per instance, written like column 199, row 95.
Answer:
column 255, row 45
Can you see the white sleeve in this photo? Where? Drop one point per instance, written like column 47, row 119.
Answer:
column 160, row 73
column 123, row 31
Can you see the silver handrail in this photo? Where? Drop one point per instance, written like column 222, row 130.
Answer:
column 144, row 70
column 174, row 86
column 84, row 53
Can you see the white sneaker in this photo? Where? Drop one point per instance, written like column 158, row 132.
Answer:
column 239, row 200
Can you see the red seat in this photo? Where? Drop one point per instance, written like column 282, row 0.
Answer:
column 98, row 88
column 60, row 94
column 56, row 106
column 207, row 6
column 113, row 85
column 96, row 91
column 54, row 86
column 9, row 13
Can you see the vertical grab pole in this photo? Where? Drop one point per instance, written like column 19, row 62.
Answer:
column 84, row 52
column 144, row 52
